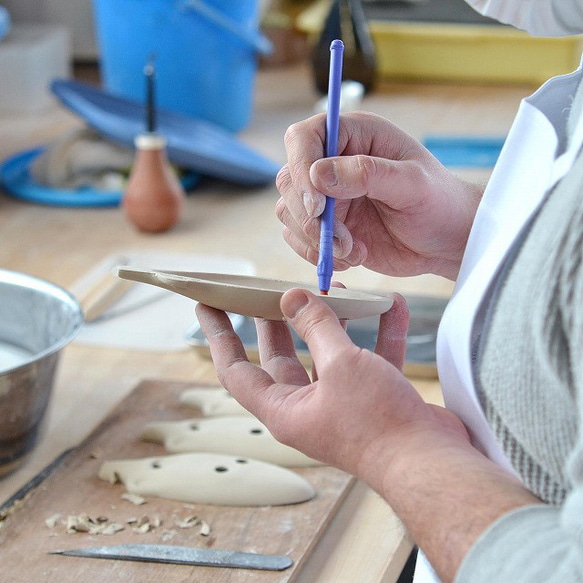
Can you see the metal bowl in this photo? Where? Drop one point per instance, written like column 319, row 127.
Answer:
column 37, row 320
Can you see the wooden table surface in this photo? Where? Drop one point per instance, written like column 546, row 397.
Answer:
column 365, row 542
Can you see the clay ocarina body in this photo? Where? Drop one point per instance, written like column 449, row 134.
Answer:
column 203, row 478
column 234, row 435
column 213, row 402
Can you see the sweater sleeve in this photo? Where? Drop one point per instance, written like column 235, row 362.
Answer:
column 533, row 544
column 544, row 543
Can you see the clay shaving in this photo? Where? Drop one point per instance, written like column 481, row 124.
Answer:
column 53, row 520
column 83, row 523
column 87, row 524
column 191, row 521
column 7, row 512
column 133, row 498
column 144, row 524
column 168, row 535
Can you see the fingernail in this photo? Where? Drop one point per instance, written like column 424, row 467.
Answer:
column 293, row 303
column 337, row 245
column 327, row 172
column 309, row 204
column 314, row 203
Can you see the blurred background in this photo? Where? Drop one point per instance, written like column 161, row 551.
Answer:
column 441, row 40
column 149, row 133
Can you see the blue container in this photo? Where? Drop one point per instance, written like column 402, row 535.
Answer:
column 206, row 54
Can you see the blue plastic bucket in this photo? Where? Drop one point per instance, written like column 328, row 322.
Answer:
column 206, row 54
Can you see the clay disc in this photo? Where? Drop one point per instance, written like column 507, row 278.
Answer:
column 255, row 297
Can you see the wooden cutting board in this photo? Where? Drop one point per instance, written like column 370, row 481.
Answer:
column 73, row 488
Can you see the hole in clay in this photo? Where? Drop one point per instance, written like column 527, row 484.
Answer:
column 256, row 431
column 156, row 465
column 241, row 461
column 221, row 469
column 194, row 427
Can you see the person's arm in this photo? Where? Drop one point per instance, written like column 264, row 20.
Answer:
column 398, row 210
column 448, row 495
column 540, row 543
column 363, row 416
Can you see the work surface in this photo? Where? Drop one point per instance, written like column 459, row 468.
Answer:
column 365, row 541
column 74, row 487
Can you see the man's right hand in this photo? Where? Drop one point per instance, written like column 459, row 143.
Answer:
column 398, row 210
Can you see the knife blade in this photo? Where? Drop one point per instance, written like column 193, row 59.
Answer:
column 183, row 556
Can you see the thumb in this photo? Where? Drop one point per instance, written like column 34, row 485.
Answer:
column 343, row 323
column 347, row 177
column 392, row 336
column 316, row 324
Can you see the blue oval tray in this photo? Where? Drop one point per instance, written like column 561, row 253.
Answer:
column 193, row 144
column 16, row 179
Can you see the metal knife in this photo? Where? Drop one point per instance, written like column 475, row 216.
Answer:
column 183, row 556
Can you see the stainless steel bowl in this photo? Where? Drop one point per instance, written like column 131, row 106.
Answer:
column 37, row 320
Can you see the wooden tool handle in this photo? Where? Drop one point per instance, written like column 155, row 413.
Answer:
column 108, row 290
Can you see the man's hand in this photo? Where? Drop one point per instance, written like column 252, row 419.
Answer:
column 398, row 210
column 359, row 411
column 363, row 416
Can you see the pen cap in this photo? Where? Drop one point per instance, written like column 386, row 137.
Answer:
column 334, row 93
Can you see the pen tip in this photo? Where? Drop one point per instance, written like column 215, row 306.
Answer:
column 323, row 292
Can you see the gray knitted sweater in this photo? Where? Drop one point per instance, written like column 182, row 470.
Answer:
column 529, row 377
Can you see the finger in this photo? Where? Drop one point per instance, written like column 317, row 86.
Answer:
column 392, row 336
column 304, row 143
column 362, row 136
column 310, row 230
column 301, row 223
column 300, row 246
column 246, row 382
column 277, row 353
column 305, row 250
column 343, row 323
column 316, row 324
column 304, row 201
column 393, row 182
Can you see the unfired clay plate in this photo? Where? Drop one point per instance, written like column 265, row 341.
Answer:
column 251, row 296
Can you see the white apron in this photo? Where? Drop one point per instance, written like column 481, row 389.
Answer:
column 527, row 169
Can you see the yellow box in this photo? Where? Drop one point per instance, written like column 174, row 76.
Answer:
column 471, row 53
column 476, row 53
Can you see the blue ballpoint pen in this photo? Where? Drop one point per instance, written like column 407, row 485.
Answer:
column 326, row 253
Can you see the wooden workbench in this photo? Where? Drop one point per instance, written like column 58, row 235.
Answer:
column 365, row 541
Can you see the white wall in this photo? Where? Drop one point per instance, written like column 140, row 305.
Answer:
column 76, row 15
